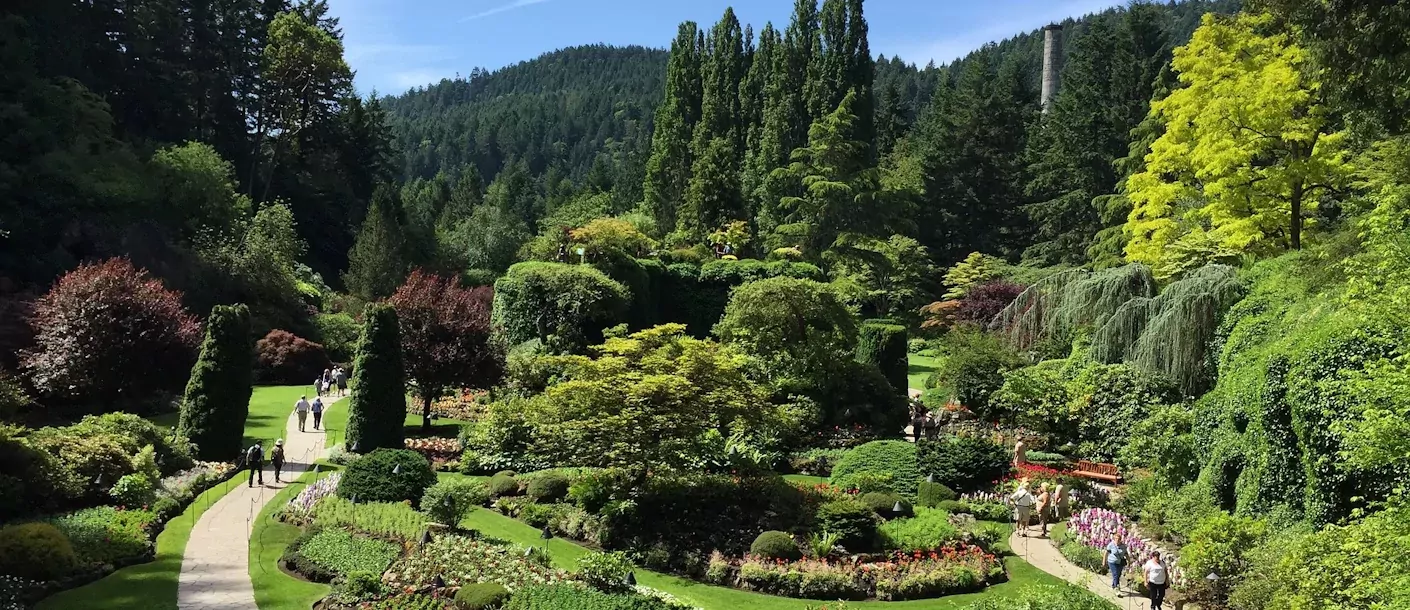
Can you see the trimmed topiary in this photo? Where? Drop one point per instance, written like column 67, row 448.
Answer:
column 931, row 495
column 377, row 408
column 217, row 398
column 387, row 475
column 565, row 305
column 776, row 545
column 503, row 485
column 884, row 504
column 548, row 488
column 481, row 596
column 853, row 521
column 897, row 458
column 884, row 345
column 962, row 463
column 37, row 551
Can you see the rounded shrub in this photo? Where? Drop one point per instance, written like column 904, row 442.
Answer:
column 954, row 507
column 387, row 475
column 896, row 458
column 503, row 485
column 963, row 463
column 569, row 303
column 481, row 596
column 449, row 501
column 36, row 551
column 548, row 488
column 884, row 504
column 853, row 521
column 932, row 494
column 776, row 545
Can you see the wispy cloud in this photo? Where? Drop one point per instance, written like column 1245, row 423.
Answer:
column 502, row 8
column 948, row 49
column 416, row 77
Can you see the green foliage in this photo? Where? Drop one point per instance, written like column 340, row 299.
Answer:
column 344, row 553
column 449, row 501
column 1047, row 597
column 931, row 495
column 1163, row 443
column 1221, row 544
column 853, row 521
column 383, row 519
column 884, row 345
column 866, row 481
column 606, row 572
column 883, row 503
column 1086, row 557
column 796, row 327
column 377, row 407
column 565, row 306
column 339, row 333
column 105, row 534
column 1037, row 398
column 928, row 530
column 1362, row 565
column 136, row 489
column 481, row 596
column 503, row 485
column 1111, row 402
column 37, row 551
column 1057, row 306
column 891, row 277
column 377, row 263
column 387, row 475
column 962, row 463
column 217, row 398
column 975, row 269
column 548, row 488
column 198, row 187
column 895, row 458
column 556, row 597
column 776, row 545
column 974, row 368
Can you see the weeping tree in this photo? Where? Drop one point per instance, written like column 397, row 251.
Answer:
column 1170, row 333
column 1059, row 304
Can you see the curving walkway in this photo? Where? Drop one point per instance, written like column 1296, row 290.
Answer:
column 215, row 570
column 1041, row 553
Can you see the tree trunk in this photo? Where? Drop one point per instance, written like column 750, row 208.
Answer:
column 426, row 414
column 1296, row 217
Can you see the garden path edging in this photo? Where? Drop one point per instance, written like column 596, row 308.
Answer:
column 215, row 569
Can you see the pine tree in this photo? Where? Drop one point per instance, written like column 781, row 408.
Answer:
column 892, row 119
column 377, row 262
column 861, row 70
column 722, row 73
column 714, row 198
column 377, row 407
column 467, row 193
column 668, row 169
column 217, row 397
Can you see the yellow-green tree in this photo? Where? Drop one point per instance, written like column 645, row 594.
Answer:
column 1247, row 150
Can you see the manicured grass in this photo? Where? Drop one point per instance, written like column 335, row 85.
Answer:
column 149, row 585
column 920, row 367
column 565, row 555
column 275, row 590
column 444, row 427
column 270, row 407
column 804, row 479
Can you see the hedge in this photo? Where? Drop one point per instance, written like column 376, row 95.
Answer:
column 884, row 345
column 896, row 458
column 572, row 304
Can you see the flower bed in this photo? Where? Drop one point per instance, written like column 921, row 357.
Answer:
column 1095, row 527
column 1007, row 437
column 465, row 406
column 183, row 487
column 946, row 571
column 437, row 450
column 460, row 561
column 384, row 519
column 342, row 552
column 300, row 509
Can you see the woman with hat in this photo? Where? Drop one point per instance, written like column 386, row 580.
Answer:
column 276, row 458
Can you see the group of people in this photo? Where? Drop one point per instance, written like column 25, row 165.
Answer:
column 1055, row 505
column 331, row 379
column 254, row 461
column 302, row 408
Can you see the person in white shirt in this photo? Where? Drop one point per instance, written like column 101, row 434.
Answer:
column 1157, row 579
column 301, row 409
column 1022, row 508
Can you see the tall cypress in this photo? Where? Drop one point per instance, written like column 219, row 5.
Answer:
column 217, row 397
column 378, row 402
column 757, row 100
column 714, row 195
column 861, row 70
column 668, row 168
column 377, row 261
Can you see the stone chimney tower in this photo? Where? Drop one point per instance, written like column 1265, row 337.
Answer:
column 1052, row 59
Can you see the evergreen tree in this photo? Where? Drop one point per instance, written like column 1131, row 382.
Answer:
column 892, row 119
column 377, row 262
column 755, row 105
column 217, row 397
column 377, row 407
column 722, row 73
column 714, row 198
column 668, row 169
column 467, row 194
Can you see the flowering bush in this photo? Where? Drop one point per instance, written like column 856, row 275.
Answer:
column 183, row 486
column 1007, row 437
column 1095, row 527
column 16, row 592
column 947, row 570
column 106, row 534
column 300, row 509
column 459, row 561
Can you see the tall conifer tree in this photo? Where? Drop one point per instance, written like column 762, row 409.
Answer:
column 217, row 398
column 668, row 168
column 377, row 262
column 377, row 407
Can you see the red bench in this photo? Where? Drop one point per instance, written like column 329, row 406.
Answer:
column 1098, row 471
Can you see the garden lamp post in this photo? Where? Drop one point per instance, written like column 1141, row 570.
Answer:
column 396, row 469
column 425, row 537
column 631, row 579
column 546, row 535
column 897, row 510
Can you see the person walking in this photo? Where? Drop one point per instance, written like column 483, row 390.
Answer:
column 1061, row 503
column 301, row 410
column 1044, row 504
column 1157, row 579
column 342, row 379
column 254, row 460
column 1022, row 508
column 276, row 458
column 1115, row 557
column 317, row 412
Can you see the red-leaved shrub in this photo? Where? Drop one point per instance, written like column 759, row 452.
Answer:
column 986, row 300
column 445, row 337
column 108, row 333
column 288, row 359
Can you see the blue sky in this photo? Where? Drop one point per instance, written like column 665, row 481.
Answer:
column 397, row 44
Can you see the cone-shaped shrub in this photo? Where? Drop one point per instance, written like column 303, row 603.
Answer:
column 217, row 398
column 378, row 402
column 885, row 346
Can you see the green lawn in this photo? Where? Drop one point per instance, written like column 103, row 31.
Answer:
column 149, row 585
column 919, row 368
column 275, row 590
column 805, row 479
column 445, row 427
column 565, row 555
